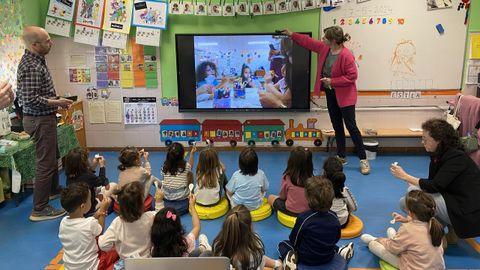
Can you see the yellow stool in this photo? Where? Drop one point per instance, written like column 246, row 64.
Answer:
column 263, row 212
column 212, row 212
column 386, row 266
column 354, row 227
column 285, row 219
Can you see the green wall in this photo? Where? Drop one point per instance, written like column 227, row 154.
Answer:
column 301, row 21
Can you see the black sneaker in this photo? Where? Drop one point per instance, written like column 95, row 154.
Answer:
column 290, row 261
column 47, row 213
column 347, row 251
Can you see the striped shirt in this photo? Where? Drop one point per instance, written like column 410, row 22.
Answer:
column 35, row 85
column 175, row 187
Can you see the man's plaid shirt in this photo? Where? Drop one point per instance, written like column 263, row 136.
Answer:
column 35, row 85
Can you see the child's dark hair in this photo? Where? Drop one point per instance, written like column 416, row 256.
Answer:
column 319, row 193
column 238, row 241
column 174, row 163
column 74, row 195
column 200, row 72
column 167, row 234
column 76, row 163
column 422, row 206
column 243, row 69
column 442, row 132
column 299, row 166
column 130, row 199
column 333, row 171
column 129, row 157
column 248, row 161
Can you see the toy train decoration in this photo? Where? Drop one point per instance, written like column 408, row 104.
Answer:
column 233, row 131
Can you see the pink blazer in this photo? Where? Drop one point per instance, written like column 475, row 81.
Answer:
column 344, row 71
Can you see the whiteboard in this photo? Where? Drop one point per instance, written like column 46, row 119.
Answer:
column 397, row 46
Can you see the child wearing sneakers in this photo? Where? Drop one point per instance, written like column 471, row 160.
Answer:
column 344, row 203
column 316, row 232
column 418, row 242
column 77, row 233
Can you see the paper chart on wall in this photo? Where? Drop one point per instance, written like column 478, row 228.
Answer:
column 90, row 13
column 57, row 26
column 87, row 35
column 148, row 36
column 140, row 110
column 114, row 39
column 96, row 110
column 138, row 64
column 118, row 16
column 79, row 75
column 62, row 9
column 113, row 111
column 150, row 14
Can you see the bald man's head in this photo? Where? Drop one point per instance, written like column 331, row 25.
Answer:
column 37, row 40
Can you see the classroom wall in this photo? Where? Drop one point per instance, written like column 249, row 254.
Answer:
column 118, row 135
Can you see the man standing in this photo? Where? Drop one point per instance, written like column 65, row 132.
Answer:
column 39, row 104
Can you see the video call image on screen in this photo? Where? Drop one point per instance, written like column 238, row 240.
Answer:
column 234, row 71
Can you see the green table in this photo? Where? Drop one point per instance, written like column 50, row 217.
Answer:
column 22, row 157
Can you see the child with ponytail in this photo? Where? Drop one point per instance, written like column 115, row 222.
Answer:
column 418, row 242
column 343, row 203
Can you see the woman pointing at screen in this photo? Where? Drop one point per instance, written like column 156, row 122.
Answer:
column 336, row 76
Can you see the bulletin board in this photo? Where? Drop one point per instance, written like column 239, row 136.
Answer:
column 402, row 45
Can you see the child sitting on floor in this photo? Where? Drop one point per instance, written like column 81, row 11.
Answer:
column 77, row 233
column 316, row 232
column 211, row 179
column 131, row 168
column 418, row 242
column 249, row 184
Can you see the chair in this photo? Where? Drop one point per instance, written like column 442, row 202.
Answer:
column 469, row 114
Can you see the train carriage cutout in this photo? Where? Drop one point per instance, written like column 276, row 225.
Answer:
column 172, row 130
column 266, row 130
column 300, row 133
column 222, row 131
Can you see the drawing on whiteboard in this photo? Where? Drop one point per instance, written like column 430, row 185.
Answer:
column 403, row 59
column 355, row 48
column 436, row 4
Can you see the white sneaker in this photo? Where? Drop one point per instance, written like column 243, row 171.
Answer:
column 203, row 241
column 347, row 251
column 391, row 232
column 367, row 238
column 290, row 261
column 364, row 166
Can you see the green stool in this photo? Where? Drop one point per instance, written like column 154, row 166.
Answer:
column 386, row 266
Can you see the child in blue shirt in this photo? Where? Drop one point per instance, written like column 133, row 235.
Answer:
column 249, row 184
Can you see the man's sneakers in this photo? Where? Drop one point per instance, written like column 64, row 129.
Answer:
column 364, row 166
column 347, row 251
column 203, row 241
column 47, row 213
column 290, row 261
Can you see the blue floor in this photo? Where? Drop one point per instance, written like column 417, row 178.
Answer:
column 27, row 245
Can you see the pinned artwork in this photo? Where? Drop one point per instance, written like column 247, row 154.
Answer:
column 308, row 4
column 148, row 36
column 150, row 14
column 295, row 5
column 215, row 10
column 114, row 39
column 79, row 75
column 87, row 35
column 118, row 16
column 438, row 4
column 282, row 6
column 326, row 3
column 57, row 26
column 200, row 9
column 90, row 13
column 175, row 8
column 62, row 9
column 269, row 7
column 92, row 93
column 11, row 44
column 243, row 8
column 256, row 9
column 187, row 8
column 228, row 10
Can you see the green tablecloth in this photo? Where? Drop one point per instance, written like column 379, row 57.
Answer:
column 23, row 155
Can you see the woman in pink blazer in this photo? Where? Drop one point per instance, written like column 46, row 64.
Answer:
column 336, row 76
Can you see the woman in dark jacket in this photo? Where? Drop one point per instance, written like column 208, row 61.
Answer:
column 453, row 179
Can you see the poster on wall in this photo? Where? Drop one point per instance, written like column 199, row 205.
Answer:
column 139, row 110
column 57, row 26
column 62, row 9
column 150, row 14
column 11, row 44
column 86, row 35
column 79, row 75
column 114, row 39
column 90, row 13
column 118, row 15
column 148, row 36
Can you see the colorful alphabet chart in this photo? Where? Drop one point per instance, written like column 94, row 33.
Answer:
column 140, row 110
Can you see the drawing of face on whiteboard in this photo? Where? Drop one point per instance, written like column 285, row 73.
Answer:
column 403, row 59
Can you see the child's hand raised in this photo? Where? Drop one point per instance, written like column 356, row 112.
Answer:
column 146, row 155
column 105, row 204
column 192, row 200
column 194, row 149
column 101, row 161
column 400, row 218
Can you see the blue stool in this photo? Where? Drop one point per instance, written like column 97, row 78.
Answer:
column 337, row 263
